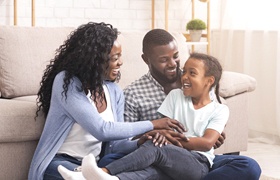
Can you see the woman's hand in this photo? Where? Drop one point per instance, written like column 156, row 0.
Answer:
column 168, row 124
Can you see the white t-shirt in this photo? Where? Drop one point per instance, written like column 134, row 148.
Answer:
column 212, row 116
column 79, row 142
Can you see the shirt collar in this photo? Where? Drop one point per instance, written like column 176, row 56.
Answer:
column 153, row 80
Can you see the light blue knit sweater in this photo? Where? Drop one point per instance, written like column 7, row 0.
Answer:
column 64, row 113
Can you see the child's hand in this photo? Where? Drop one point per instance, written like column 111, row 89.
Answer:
column 164, row 137
column 174, row 137
column 157, row 138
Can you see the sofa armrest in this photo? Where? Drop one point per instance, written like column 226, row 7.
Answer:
column 237, row 126
column 233, row 83
column 17, row 121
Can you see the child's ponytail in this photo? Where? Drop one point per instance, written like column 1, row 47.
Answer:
column 217, row 93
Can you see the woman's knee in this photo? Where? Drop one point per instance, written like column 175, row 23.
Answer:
column 66, row 161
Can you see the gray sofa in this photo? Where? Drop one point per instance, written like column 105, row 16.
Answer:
column 24, row 54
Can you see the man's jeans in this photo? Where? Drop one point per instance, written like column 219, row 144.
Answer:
column 233, row 167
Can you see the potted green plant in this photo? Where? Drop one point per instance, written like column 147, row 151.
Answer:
column 195, row 27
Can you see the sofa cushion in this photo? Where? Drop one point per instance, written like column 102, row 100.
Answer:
column 32, row 98
column 233, row 83
column 25, row 52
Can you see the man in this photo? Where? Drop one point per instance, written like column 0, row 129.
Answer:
column 145, row 95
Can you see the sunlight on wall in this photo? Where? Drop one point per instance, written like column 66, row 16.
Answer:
column 251, row 14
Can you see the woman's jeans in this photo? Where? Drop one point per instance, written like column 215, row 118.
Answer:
column 65, row 160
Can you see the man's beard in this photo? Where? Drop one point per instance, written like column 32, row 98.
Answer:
column 162, row 77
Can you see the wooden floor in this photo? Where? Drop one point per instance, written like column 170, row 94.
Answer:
column 268, row 157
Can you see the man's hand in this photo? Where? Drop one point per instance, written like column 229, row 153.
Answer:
column 220, row 140
column 168, row 124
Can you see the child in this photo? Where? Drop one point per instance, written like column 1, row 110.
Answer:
column 192, row 106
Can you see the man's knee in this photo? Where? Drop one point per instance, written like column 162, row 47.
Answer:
column 254, row 169
column 234, row 167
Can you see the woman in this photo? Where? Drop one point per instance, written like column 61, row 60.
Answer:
column 82, row 104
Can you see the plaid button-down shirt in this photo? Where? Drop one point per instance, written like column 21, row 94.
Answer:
column 142, row 99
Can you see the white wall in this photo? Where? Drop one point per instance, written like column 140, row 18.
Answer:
column 255, row 53
column 123, row 14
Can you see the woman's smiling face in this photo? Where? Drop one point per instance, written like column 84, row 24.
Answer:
column 115, row 62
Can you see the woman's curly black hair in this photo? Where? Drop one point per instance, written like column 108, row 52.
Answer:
column 84, row 54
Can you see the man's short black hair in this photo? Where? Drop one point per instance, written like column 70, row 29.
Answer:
column 156, row 37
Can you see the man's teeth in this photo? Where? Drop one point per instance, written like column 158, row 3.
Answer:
column 172, row 70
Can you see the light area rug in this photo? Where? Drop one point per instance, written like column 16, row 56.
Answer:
column 264, row 177
column 268, row 157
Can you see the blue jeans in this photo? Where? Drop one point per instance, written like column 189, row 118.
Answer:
column 229, row 167
column 233, row 167
column 68, row 162
column 167, row 162
column 107, row 159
